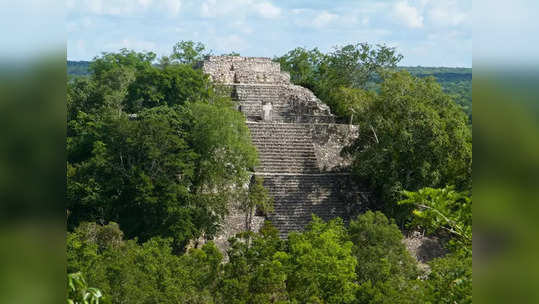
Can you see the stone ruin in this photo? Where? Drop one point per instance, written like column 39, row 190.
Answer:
column 298, row 143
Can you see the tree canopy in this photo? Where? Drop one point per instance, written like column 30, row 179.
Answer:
column 149, row 145
column 412, row 135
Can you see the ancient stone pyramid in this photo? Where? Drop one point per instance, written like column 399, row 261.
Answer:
column 297, row 140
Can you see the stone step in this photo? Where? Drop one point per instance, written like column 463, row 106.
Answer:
column 299, row 159
column 283, row 139
column 288, row 161
column 300, row 163
column 288, row 169
column 269, row 135
column 280, row 139
column 279, row 125
column 312, row 166
column 296, row 151
column 281, row 131
column 285, row 149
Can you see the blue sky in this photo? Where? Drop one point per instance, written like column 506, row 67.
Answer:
column 426, row 32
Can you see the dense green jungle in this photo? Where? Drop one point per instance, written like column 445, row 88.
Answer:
column 144, row 146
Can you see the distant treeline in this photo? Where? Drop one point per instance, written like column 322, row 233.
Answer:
column 78, row 68
column 456, row 82
column 442, row 74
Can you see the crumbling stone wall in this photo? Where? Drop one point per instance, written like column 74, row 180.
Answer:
column 234, row 223
column 328, row 142
column 236, row 69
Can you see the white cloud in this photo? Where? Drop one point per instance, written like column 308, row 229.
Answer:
column 230, row 43
column 125, row 7
column 79, row 24
column 243, row 26
column 323, row 19
column 172, row 6
column 218, row 8
column 297, row 11
column 407, row 14
column 207, row 9
column 447, row 13
column 267, row 10
column 132, row 44
column 145, row 3
column 320, row 19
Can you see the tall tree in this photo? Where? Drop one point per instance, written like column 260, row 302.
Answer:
column 412, row 136
column 255, row 272
column 356, row 66
column 130, row 272
column 386, row 272
column 188, row 52
column 153, row 148
column 304, row 66
column 321, row 267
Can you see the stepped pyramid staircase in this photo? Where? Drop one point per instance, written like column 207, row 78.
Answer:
column 301, row 166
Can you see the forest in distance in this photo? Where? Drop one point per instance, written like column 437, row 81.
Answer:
column 137, row 189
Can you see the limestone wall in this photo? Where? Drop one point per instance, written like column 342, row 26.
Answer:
column 236, row 69
column 303, row 106
column 233, row 224
column 328, row 141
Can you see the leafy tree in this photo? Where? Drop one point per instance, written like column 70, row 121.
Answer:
column 188, row 52
column 320, row 264
column 255, row 272
column 386, row 272
column 79, row 292
column 82, row 96
column 232, row 54
column 412, row 136
column 379, row 249
column 353, row 66
column 129, row 81
column 256, row 199
column 145, row 149
column 456, row 82
column 353, row 103
column 450, row 279
column 128, row 272
column 443, row 209
column 446, row 211
column 134, row 172
column 357, row 65
column 217, row 132
column 303, row 65
column 103, row 68
column 170, row 85
column 156, row 174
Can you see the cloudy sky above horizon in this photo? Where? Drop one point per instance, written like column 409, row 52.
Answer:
column 426, row 32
